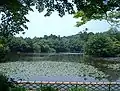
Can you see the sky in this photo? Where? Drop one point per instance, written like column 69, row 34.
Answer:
column 54, row 24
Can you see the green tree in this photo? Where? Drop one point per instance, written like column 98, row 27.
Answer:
column 45, row 48
column 13, row 12
column 114, row 33
column 98, row 9
column 36, row 47
column 18, row 44
column 4, row 48
column 116, row 48
column 99, row 45
column 4, row 84
column 29, row 41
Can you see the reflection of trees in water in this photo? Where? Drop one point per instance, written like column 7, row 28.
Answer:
column 112, row 74
column 65, row 58
column 48, row 57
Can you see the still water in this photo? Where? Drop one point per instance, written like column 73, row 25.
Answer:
column 60, row 67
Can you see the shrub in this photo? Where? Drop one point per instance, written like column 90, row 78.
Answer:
column 18, row 89
column 99, row 45
column 4, row 84
column 78, row 89
column 48, row 88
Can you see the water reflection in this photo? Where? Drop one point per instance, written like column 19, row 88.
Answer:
column 74, row 67
column 65, row 79
column 110, row 68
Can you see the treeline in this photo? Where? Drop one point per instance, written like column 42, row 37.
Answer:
column 48, row 44
column 96, row 44
column 106, row 44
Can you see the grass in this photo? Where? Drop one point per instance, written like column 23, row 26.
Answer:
column 48, row 88
column 18, row 89
column 78, row 89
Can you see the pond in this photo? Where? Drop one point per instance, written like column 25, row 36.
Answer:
column 60, row 67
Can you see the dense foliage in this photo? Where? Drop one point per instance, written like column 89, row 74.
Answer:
column 13, row 20
column 98, row 9
column 97, row 44
column 18, row 89
column 47, row 44
column 4, row 49
column 13, row 12
column 8, row 85
column 104, row 44
column 4, row 84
